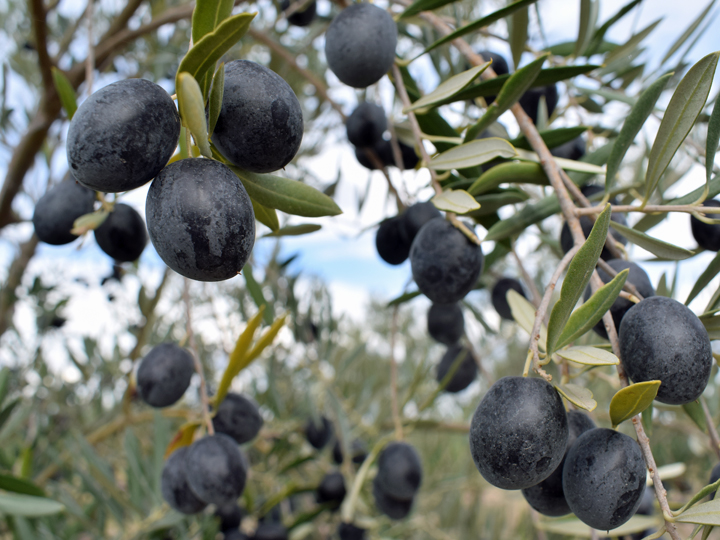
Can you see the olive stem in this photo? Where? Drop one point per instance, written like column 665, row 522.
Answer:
column 628, row 287
column 90, row 60
column 393, row 378
column 348, row 508
column 205, row 401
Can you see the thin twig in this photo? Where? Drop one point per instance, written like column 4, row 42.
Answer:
column 205, row 401
column 650, row 209
column 528, row 280
column 90, row 60
column 629, row 287
column 712, row 431
column 540, row 315
column 393, row 378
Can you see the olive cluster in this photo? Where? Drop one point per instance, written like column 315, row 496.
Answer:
column 199, row 216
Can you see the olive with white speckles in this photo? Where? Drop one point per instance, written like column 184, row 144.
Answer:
column 260, row 125
column 604, row 478
column 518, row 434
column 200, row 219
column 216, row 470
column 122, row 136
column 164, row 374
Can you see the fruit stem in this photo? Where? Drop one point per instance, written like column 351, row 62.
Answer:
column 196, row 358
column 528, row 280
column 348, row 508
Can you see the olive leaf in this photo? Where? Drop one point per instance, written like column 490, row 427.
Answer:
column 577, row 395
column 524, row 314
column 518, row 83
column 448, row 88
column 289, row 196
column 89, row 222
column 12, row 483
column 551, row 137
column 516, row 172
column 15, row 504
column 66, row 92
column 703, row 514
column 473, row 153
column 205, row 53
column 295, row 230
column 653, row 245
column 589, row 356
column 480, row 23
column 632, row 400
column 458, row 201
column 207, row 16
column 634, row 121
column 578, row 276
column 695, row 411
column 238, row 358
column 266, row 216
column 192, row 111
column 588, row 315
column 685, row 105
column 216, row 98
column 183, row 437
column 403, row 298
column 705, row 278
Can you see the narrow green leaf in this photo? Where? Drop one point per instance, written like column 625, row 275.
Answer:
column 4, row 383
column 8, row 410
column 552, row 137
column 708, row 274
column 234, row 366
column 566, row 48
column 15, row 504
column 695, row 411
column 481, row 23
column 192, row 111
column 547, row 76
column 447, row 89
column 66, row 92
column 524, row 314
column 403, row 298
column 423, row 5
column 256, row 292
column 295, row 230
column 565, row 164
column 12, row 483
column 577, row 395
column 511, row 91
column 633, row 42
column 589, row 356
column 518, row 23
column 289, row 196
column 685, row 105
column 473, row 153
column 207, row 15
column 492, row 202
column 599, row 36
column 632, row 126
column 647, row 420
column 703, row 514
column 89, row 222
column 687, row 33
column 458, row 201
column 573, row 527
column 516, row 172
column 203, row 55
column 590, row 313
column 266, row 216
column 713, row 139
column 588, row 20
column 653, row 245
column 216, row 96
column 578, row 276
column 632, row 400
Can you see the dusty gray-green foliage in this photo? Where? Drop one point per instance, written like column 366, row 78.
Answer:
column 90, row 444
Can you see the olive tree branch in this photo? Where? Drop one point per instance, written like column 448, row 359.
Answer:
column 205, row 401
column 393, row 378
column 15, row 273
column 39, row 23
column 528, row 280
column 650, row 209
